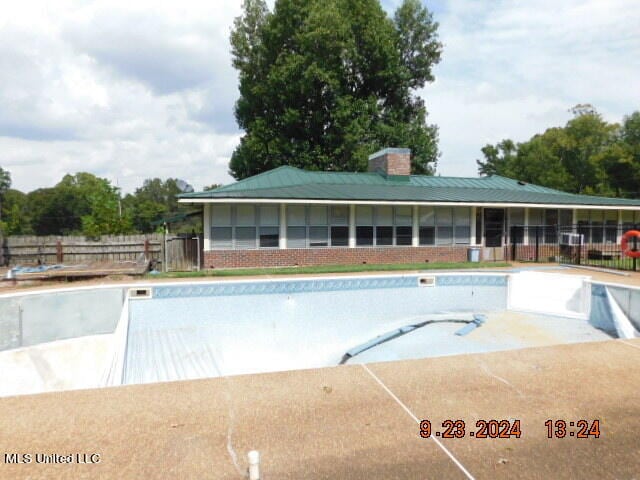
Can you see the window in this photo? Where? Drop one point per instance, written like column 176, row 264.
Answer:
column 403, row 228
column 296, row 226
column 245, row 237
column 384, row 225
column 536, row 224
column 427, row 222
column 269, row 230
column 444, row 226
column 629, row 220
column 296, row 237
column 318, row 230
column 221, row 238
column 611, row 226
column 269, row 237
column 404, row 235
column 516, row 224
column 246, row 215
column 364, row 225
column 317, row 215
column 221, row 215
column 551, row 225
column 318, row 237
column 462, row 223
column 597, row 222
column 566, row 217
column 339, row 226
column 221, row 229
column 340, row 215
column 339, row 236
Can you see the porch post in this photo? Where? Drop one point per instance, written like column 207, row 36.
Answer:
column 619, row 229
column 526, row 227
column 206, row 224
column 283, row 226
column 352, row 225
column 472, row 233
column 415, row 238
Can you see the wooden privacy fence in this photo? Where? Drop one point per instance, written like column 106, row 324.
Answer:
column 183, row 251
column 30, row 250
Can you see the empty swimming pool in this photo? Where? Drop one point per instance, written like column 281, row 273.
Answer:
column 165, row 332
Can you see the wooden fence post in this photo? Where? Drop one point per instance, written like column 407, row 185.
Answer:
column 59, row 253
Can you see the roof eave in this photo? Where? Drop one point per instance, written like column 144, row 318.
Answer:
column 407, row 202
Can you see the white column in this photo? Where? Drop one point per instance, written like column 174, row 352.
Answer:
column 206, row 222
column 472, row 233
column 283, row 226
column 415, row 238
column 352, row 226
column 526, row 227
column 619, row 232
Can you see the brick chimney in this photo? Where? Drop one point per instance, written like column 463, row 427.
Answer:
column 391, row 161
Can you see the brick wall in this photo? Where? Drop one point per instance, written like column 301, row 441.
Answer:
column 332, row 256
column 391, row 163
column 398, row 164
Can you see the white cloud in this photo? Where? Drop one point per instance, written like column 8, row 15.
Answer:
column 513, row 69
column 125, row 90
column 131, row 90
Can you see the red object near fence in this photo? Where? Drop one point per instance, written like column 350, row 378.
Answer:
column 624, row 245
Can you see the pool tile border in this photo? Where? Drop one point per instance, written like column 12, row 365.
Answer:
column 321, row 285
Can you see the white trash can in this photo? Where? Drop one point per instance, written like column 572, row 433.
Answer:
column 473, row 254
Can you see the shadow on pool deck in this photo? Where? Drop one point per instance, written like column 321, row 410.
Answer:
column 341, row 423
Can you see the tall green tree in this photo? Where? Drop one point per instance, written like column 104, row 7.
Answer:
column 588, row 155
column 5, row 184
column 498, row 159
column 324, row 83
column 80, row 203
column 621, row 161
column 153, row 200
column 15, row 213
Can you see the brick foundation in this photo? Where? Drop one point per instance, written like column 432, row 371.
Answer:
column 332, row 256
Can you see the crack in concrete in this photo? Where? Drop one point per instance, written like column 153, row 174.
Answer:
column 488, row 371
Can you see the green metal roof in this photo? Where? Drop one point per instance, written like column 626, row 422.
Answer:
column 289, row 183
column 176, row 217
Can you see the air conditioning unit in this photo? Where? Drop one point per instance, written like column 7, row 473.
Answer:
column 571, row 239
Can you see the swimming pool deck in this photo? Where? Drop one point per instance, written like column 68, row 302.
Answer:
column 351, row 421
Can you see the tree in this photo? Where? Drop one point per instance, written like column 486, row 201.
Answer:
column 588, row 155
column 15, row 213
column 498, row 159
column 80, row 203
column 5, row 183
column 105, row 216
column 154, row 200
column 621, row 161
column 325, row 83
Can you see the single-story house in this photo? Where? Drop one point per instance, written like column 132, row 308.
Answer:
column 289, row 216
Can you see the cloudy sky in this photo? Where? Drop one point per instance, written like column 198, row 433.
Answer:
column 129, row 90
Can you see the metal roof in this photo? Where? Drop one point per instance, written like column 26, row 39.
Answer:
column 290, row 183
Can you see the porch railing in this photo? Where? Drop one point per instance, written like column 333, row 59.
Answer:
column 595, row 245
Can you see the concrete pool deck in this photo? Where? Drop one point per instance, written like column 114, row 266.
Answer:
column 621, row 277
column 353, row 421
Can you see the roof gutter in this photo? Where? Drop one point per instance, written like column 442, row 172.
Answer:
column 404, row 202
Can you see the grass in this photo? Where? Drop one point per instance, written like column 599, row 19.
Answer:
column 238, row 272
